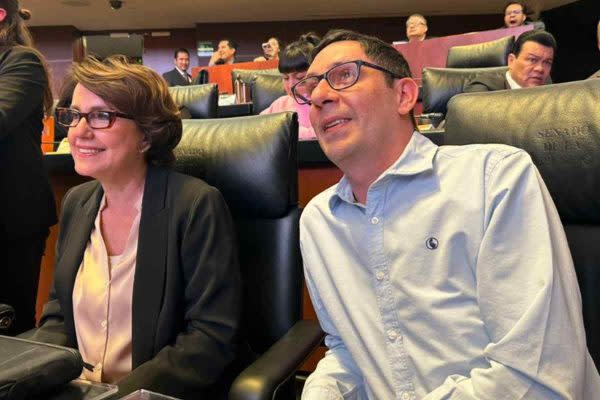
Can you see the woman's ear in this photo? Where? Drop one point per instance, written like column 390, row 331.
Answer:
column 2, row 14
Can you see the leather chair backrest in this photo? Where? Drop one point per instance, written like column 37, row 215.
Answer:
column 440, row 84
column 247, row 75
column 480, row 55
column 253, row 162
column 201, row 101
column 558, row 125
column 265, row 90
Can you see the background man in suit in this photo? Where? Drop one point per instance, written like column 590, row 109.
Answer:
column 529, row 64
column 178, row 76
column 225, row 53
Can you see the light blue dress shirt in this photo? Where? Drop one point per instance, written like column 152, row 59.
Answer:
column 454, row 281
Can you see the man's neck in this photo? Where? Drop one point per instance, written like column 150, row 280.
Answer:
column 181, row 71
column 362, row 173
column 511, row 82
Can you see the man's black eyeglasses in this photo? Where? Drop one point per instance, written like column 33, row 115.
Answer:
column 340, row 77
column 96, row 119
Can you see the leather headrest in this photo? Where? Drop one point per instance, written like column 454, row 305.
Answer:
column 252, row 160
column 201, row 101
column 440, row 84
column 247, row 75
column 558, row 125
column 265, row 90
column 480, row 55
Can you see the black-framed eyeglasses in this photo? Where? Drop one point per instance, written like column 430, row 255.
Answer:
column 340, row 77
column 97, row 119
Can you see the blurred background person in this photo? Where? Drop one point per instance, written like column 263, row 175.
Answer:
column 146, row 284
column 271, row 49
column 293, row 63
column 28, row 208
column 515, row 14
column 416, row 28
column 179, row 76
column 225, row 53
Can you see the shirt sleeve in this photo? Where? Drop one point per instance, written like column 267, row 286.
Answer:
column 528, row 297
column 337, row 376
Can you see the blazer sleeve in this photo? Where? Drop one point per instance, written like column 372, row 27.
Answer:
column 204, row 348
column 22, row 84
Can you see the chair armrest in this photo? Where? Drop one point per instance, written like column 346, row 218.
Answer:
column 7, row 315
column 262, row 378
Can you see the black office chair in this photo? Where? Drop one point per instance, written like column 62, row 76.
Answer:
column 440, row 84
column 481, row 55
column 248, row 75
column 253, row 162
column 265, row 90
column 197, row 101
column 558, row 126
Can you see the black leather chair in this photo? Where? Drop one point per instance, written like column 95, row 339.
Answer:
column 248, row 75
column 7, row 316
column 481, row 55
column 558, row 125
column 440, row 84
column 265, row 90
column 253, row 162
column 197, row 101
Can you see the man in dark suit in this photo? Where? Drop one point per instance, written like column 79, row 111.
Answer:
column 529, row 64
column 179, row 76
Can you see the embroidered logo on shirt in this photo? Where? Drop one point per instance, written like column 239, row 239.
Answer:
column 431, row 243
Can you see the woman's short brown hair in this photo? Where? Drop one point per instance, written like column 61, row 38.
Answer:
column 137, row 91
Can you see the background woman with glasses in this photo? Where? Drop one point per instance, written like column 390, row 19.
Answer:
column 293, row 64
column 146, row 284
column 28, row 208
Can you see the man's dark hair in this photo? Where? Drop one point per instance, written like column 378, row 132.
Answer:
column 181, row 50
column 295, row 56
column 538, row 36
column 522, row 4
column 232, row 44
column 380, row 52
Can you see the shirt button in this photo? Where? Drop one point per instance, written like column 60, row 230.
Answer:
column 405, row 396
column 103, row 323
column 392, row 335
column 374, row 220
column 380, row 275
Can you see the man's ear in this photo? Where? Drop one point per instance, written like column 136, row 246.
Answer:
column 407, row 93
column 511, row 59
column 2, row 14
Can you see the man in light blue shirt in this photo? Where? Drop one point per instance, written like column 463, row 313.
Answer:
column 436, row 272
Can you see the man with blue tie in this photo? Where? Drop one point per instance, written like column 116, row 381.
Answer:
column 179, row 76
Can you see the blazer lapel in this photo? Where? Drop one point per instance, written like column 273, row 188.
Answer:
column 80, row 228
column 150, row 267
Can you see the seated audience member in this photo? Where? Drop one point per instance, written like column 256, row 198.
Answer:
column 225, row 53
column 271, row 49
column 146, row 284
column 529, row 64
column 416, row 28
column 515, row 14
column 435, row 272
column 293, row 64
column 179, row 76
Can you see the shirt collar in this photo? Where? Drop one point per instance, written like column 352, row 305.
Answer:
column 184, row 73
column 511, row 82
column 416, row 158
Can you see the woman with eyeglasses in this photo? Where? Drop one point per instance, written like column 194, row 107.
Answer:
column 146, row 284
column 28, row 208
column 293, row 64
